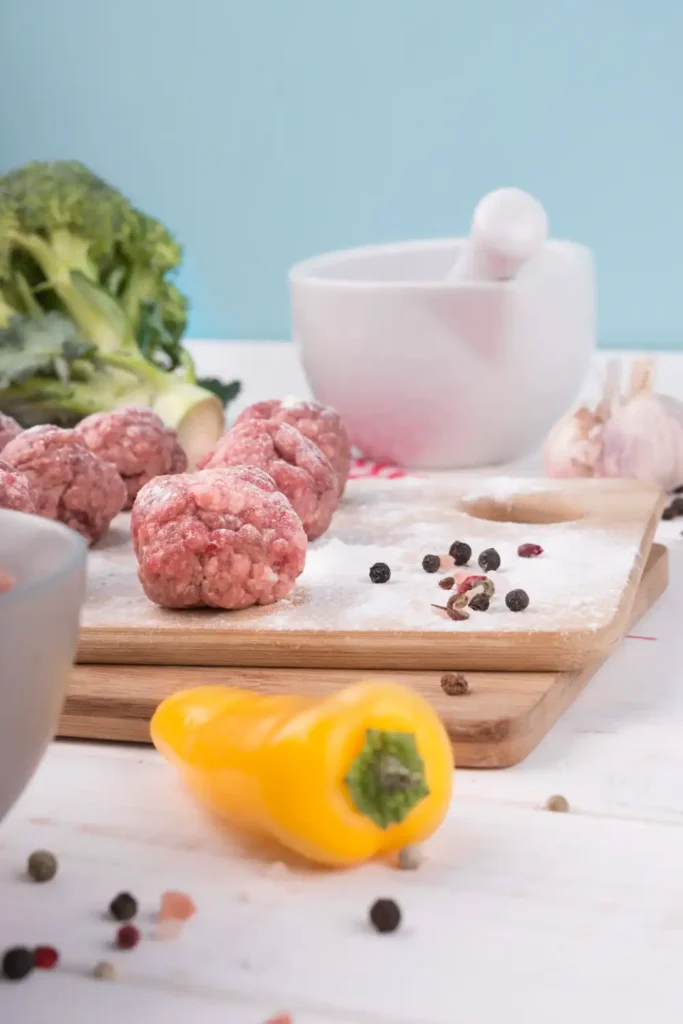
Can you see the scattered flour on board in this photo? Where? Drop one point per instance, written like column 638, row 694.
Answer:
column 576, row 584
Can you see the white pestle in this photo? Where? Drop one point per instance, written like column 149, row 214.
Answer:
column 509, row 228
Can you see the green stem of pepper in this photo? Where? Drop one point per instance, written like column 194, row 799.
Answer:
column 387, row 779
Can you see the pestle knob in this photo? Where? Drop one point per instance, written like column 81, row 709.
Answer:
column 509, row 227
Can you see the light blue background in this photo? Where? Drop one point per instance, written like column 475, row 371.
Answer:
column 265, row 131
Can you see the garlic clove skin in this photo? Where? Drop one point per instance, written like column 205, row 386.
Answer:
column 574, row 445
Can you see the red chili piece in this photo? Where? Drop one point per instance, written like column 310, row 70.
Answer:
column 127, row 937
column 45, row 957
column 529, row 550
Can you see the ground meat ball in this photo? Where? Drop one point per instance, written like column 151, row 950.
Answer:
column 15, row 490
column 69, row 483
column 319, row 423
column 9, row 429
column 137, row 442
column 222, row 538
column 298, row 467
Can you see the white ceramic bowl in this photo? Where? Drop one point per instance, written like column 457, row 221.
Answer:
column 39, row 619
column 442, row 374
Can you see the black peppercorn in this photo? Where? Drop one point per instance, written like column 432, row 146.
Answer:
column 480, row 603
column 380, row 572
column 460, row 552
column 17, row 963
column 42, row 866
column 124, row 907
column 674, row 510
column 431, row 563
column 517, row 600
column 454, row 684
column 385, row 915
column 489, row 560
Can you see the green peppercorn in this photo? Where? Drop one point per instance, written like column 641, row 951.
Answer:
column 409, row 858
column 42, row 866
column 105, row 971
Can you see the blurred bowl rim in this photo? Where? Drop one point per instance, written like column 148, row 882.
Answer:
column 75, row 554
column 307, row 271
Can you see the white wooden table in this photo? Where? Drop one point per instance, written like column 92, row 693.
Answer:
column 517, row 915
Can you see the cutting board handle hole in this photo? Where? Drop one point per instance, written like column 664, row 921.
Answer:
column 523, row 508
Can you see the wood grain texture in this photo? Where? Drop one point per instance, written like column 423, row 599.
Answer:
column 121, row 627
column 501, row 719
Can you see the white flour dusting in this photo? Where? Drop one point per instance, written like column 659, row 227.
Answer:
column 576, row 584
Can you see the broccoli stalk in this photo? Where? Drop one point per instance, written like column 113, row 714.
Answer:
column 47, row 374
column 74, row 251
column 7, row 311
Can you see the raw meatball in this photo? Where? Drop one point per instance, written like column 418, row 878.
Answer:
column 319, row 423
column 137, row 442
column 298, row 467
column 15, row 490
column 69, row 483
column 222, row 538
column 9, row 428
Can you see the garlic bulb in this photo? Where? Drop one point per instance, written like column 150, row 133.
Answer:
column 573, row 445
column 638, row 434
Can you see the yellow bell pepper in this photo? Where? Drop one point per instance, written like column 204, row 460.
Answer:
column 338, row 779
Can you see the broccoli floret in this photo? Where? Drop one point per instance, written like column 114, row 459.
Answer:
column 72, row 246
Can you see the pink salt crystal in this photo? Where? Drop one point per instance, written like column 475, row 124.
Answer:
column 176, row 906
column 410, row 558
column 447, row 562
column 276, row 870
column 281, row 1018
column 463, row 574
column 168, row 928
column 6, row 582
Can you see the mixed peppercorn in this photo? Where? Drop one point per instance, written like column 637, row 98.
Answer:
column 380, row 572
column 454, row 684
column 473, row 592
column 19, row 961
column 385, row 915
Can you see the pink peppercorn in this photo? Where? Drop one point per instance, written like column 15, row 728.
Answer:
column 45, row 957
column 127, row 937
column 467, row 584
column 529, row 550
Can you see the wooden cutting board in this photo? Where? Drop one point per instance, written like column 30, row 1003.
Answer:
column 501, row 719
column 596, row 536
